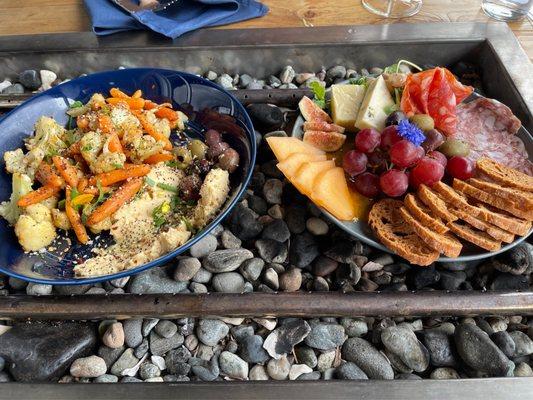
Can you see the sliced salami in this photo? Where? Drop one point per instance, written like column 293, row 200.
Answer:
column 490, row 127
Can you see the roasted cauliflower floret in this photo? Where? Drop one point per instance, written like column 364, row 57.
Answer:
column 125, row 122
column 48, row 136
column 35, row 229
column 60, row 219
column 161, row 125
column 27, row 164
column 21, row 185
column 143, row 147
column 90, row 146
column 104, row 225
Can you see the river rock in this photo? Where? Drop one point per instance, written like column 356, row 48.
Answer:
column 505, row 342
column 271, row 251
column 228, row 282
column 155, row 280
column 444, row 373
column 226, row 260
column 276, row 230
column 166, row 328
column 211, row 331
column 251, row 349
column 258, row 373
column 283, row 339
column 31, row 79
column 354, row 327
column 291, row 280
column 325, row 336
column 479, row 352
column 402, row 341
column 368, row 358
column 440, row 346
column 233, row 366
column 88, row 367
column 266, row 117
column 303, row 250
column 160, row 345
column 114, row 336
column 42, row 351
column 278, row 369
column 523, row 344
column 126, row 361
column 349, row 370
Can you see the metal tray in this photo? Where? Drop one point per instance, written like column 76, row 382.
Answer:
column 507, row 76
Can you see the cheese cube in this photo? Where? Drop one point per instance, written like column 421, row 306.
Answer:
column 372, row 113
column 345, row 103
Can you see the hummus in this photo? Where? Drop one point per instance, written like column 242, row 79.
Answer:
column 137, row 239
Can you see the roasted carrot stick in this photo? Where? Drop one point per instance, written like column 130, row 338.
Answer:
column 167, row 113
column 157, row 158
column 114, row 144
column 117, row 200
column 82, row 184
column 118, row 175
column 150, row 129
column 149, row 105
column 137, row 94
column 68, row 172
column 136, row 103
column 36, row 196
column 117, row 93
column 116, row 100
column 105, row 124
column 75, row 148
column 75, row 220
column 82, row 122
column 47, row 177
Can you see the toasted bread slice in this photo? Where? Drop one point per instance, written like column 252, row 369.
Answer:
column 435, row 203
column 504, row 175
column 521, row 198
column 479, row 238
column 451, row 196
column 445, row 244
column 493, row 200
column 517, row 226
column 492, row 230
column 423, row 214
column 388, row 225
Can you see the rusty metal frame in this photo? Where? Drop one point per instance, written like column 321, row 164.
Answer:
column 302, row 304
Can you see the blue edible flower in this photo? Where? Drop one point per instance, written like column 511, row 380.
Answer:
column 411, row 132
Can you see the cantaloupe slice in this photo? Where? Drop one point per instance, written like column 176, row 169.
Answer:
column 292, row 164
column 361, row 203
column 306, row 174
column 331, row 191
column 283, row 147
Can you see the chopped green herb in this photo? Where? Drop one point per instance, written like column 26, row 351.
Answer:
column 74, row 193
column 159, row 214
column 320, row 94
column 76, row 104
column 101, row 193
column 168, row 188
column 177, row 202
column 188, row 224
column 117, row 165
column 149, row 181
column 391, row 68
column 173, row 163
column 87, row 148
column 61, row 204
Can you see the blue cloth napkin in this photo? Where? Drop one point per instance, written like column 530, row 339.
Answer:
column 179, row 18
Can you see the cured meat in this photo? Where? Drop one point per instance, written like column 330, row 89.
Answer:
column 435, row 92
column 490, row 127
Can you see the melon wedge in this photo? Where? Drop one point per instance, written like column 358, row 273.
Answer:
column 292, row 164
column 283, row 147
column 304, row 179
column 331, row 192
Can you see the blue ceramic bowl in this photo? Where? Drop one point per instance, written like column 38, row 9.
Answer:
column 160, row 85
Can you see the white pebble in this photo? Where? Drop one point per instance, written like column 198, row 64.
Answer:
column 5, row 84
column 159, row 362
column 299, row 369
column 47, row 77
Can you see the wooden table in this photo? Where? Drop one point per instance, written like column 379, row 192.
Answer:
column 45, row 16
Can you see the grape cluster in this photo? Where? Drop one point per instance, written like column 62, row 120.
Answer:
column 388, row 163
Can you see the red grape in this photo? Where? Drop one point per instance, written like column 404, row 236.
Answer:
column 367, row 140
column 437, row 155
column 403, row 153
column 354, row 162
column 367, row 184
column 420, row 153
column 394, row 182
column 389, row 136
column 377, row 160
column 428, row 171
column 460, row 168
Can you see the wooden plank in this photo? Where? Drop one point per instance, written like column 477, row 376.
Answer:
column 47, row 16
